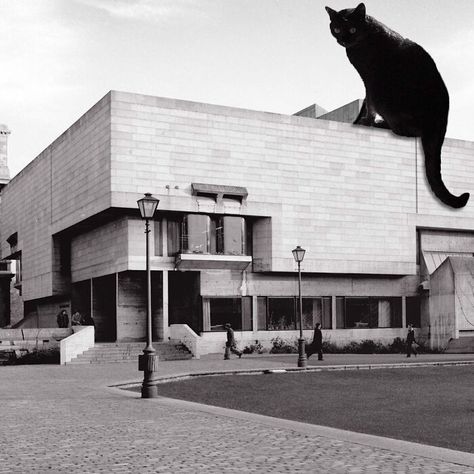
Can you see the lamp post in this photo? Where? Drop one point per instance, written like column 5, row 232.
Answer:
column 148, row 361
column 298, row 254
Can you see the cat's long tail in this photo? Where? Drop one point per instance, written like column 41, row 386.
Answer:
column 432, row 149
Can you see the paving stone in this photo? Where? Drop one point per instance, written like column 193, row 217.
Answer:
column 67, row 420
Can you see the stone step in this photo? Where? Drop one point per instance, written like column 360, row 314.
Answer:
column 104, row 353
column 463, row 345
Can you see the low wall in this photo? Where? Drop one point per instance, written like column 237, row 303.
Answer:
column 82, row 339
column 30, row 339
column 184, row 334
column 212, row 342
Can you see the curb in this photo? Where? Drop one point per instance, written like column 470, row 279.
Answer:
column 327, row 368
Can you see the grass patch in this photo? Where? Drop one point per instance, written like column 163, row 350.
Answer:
column 429, row 405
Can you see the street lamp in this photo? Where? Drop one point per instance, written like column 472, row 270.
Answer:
column 298, row 254
column 148, row 361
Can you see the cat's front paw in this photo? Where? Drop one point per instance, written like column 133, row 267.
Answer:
column 366, row 121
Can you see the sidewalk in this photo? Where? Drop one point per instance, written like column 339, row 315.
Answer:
column 67, row 419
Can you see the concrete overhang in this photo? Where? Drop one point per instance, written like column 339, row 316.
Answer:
column 193, row 261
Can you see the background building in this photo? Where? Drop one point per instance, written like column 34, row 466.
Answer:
column 5, row 266
column 238, row 190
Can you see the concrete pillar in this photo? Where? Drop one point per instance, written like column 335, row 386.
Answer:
column 404, row 311
column 254, row 316
column 333, row 312
column 206, row 315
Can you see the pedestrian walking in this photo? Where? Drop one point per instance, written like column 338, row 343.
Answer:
column 230, row 345
column 317, row 345
column 411, row 341
column 62, row 319
column 76, row 319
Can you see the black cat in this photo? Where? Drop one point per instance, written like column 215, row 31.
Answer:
column 403, row 86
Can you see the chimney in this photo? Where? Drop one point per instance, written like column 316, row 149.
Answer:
column 4, row 172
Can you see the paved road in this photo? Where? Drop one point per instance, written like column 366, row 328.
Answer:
column 68, row 420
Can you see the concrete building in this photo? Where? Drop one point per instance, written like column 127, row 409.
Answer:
column 5, row 266
column 238, row 190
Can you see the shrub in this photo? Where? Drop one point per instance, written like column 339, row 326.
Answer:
column 38, row 356
column 397, row 346
column 257, row 347
column 280, row 346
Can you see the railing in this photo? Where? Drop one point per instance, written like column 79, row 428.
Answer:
column 82, row 339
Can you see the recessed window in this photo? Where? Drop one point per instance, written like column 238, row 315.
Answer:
column 236, row 311
column 209, row 234
column 368, row 312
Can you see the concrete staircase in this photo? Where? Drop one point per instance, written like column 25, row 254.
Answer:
column 103, row 353
column 463, row 345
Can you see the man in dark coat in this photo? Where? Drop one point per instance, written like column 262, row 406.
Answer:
column 317, row 344
column 230, row 345
column 62, row 319
column 410, row 341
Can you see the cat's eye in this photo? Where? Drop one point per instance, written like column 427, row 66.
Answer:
column 352, row 30
column 337, row 30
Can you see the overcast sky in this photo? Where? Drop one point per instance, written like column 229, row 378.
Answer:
column 59, row 57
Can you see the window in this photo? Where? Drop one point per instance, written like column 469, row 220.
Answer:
column 365, row 312
column 413, row 311
column 196, row 234
column 281, row 314
column 174, row 237
column 208, row 234
column 158, row 237
column 236, row 311
column 231, row 235
column 316, row 310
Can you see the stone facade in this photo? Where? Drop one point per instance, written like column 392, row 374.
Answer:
column 355, row 198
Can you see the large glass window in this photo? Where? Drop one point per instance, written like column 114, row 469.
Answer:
column 174, row 237
column 233, row 235
column 196, row 235
column 315, row 310
column 236, row 311
column 364, row 312
column 208, row 234
column 281, row 314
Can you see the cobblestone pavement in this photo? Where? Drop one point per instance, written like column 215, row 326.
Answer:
column 67, row 419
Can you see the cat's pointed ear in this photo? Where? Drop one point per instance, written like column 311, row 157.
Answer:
column 332, row 13
column 359, row 12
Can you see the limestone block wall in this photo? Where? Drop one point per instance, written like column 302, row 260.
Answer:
column 351, row 195
column 101, row 251
column 343, row 192
column 67, row 183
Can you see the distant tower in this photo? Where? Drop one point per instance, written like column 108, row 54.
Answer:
column 5, row 273
column 4, row 172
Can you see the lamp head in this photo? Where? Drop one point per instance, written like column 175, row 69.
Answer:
column 298, row 254
column 147, row 206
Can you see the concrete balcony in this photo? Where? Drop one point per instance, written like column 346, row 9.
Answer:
column 197, row 261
